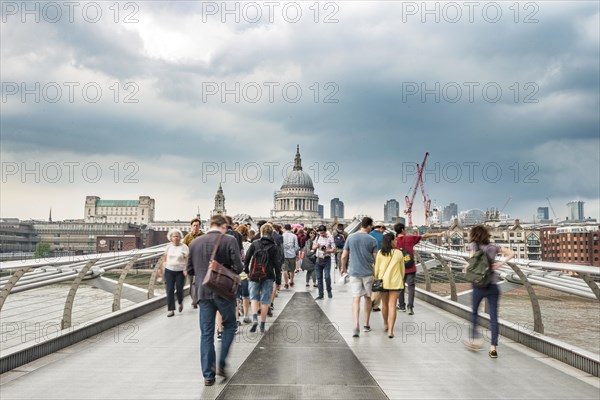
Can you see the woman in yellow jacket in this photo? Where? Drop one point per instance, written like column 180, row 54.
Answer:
column 389, row 266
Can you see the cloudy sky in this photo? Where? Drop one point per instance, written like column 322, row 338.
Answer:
column 168, row 99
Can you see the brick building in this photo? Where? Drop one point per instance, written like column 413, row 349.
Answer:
column 571, row 244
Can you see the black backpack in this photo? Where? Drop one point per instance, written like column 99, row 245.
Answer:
column 260, row 259
column 339, row 240
column 409, row 261
column 479, row 271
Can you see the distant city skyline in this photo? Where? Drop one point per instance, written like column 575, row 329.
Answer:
column 574, row 206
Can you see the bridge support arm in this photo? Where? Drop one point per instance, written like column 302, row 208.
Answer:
column 538, row 326
column 425, row 271
column 117, row 297
column 590, row 282
column 152, row 282
column 11, row 283
column 68, row 310
column 448, row 270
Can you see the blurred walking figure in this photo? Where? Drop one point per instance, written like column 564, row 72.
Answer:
column 377, row 233
column 408, row 242
column 479, row 237
column 263, row 257
column 243, row 291
column 187, row 240
column 227, row 254
column 358, row 258
column 339, row 238
column 324, row 247
column 173, row 266
column 290, row 252
column 389, row 266
column 308, row 263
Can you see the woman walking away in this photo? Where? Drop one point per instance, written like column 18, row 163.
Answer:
column 389, row 267
column 308, row 264
column 480, row 240
column 173, row 263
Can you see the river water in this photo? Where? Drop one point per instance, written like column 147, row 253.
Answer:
column 566, row 317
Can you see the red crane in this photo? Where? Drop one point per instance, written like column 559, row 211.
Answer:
column 409, row 201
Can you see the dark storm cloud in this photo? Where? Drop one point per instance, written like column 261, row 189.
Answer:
column 378, row 124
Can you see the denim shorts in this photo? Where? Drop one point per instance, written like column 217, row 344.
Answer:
column 261, row 291
column 242, row 292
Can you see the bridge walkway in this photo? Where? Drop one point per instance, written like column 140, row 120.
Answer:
column 313, row 354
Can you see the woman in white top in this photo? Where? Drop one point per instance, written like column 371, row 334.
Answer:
column 174, row 263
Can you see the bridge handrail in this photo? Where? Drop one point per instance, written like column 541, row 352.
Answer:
column 77, row 259
column 527, row 271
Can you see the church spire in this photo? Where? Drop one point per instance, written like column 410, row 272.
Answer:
column 297, row 160
column 219, row 202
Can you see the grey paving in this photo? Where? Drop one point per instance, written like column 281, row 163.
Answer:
column 298, row 358
column 154, row 357
column 427, row 360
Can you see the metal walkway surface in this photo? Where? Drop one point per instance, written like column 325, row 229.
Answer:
column 300, row 358
column 308, row 352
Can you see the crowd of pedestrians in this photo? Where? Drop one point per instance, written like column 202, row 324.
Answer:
column 276, row 254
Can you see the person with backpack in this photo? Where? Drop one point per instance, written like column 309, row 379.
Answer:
column 479, row 237
column 339, row 239
column 263, row 267
column 301, row 235
column 310, row 258
column 407, row 243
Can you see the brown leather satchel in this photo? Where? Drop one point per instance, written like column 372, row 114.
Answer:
column 220, row 279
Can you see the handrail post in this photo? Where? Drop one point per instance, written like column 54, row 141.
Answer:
column 448, row 270
column 538, row 326
column 68, row 310
column 425, row 271
column 152, row 282
column 117, row 297
column 590, row 282
column 11, row 283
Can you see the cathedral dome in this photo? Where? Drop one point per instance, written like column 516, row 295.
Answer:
column 298, row 179
column 296, row 199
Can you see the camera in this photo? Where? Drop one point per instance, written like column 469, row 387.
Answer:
column 323, row 248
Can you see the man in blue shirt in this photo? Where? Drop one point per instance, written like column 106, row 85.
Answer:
column 377, row 233
column 358, row 259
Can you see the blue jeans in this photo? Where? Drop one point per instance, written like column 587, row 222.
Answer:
column 323, row 266
column 174, row 282
column 492, row 293
column 208, row 311
column 409, row 283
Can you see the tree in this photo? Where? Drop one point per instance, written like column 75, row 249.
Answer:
column 42, row 250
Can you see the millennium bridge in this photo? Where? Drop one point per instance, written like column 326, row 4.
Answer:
column 94, row 327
